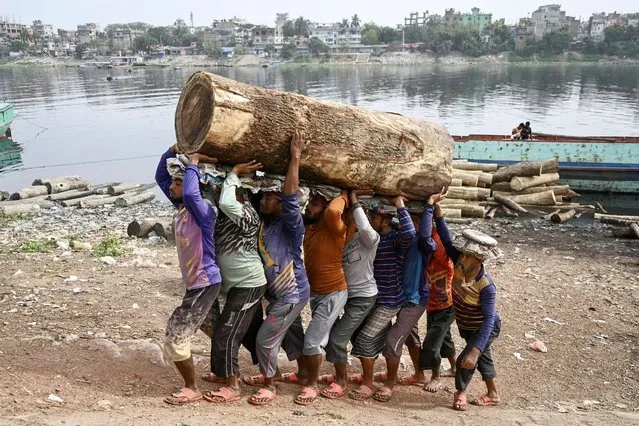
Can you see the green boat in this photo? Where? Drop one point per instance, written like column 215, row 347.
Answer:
column 6, row 118
column 586, row 163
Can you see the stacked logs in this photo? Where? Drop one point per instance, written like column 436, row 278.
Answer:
column 72, row 191
column 483, row 189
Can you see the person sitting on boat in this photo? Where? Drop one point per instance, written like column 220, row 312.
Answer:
column 526, row 133
column 516, row 133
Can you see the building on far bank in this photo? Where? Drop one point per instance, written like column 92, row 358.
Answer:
column 451, row 17
column 476, row 19
column 122, row 38
column 598, row 23
column 88, row 33
column 263, row 36
column 414, row 19
column 549, row 18
column 233, row 31
column 524, row 33
column 10, row 30
column 42, row 31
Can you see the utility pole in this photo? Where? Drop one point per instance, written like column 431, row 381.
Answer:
column 403, row 28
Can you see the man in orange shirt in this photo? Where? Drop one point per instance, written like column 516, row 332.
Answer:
column 323, row 246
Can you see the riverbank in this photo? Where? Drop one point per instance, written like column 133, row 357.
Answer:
column 86, row 330
column 397, row 58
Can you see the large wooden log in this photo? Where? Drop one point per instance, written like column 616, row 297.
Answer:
column 511, row 204
column 452, row 213
column 460, row 221
column 616, row 219
column 525, row 169
column 121, row 189
column 19, row 208
column 519, row 183
column 563, row 217
column 30, row 192
column 141, row 228
column 635, row 228
column 133, row 199
column 466, row 193
column 468, row 179
column 58, row 185
column 348, row 147
column 563, row 190
column 546, row 198
column 467, row 209
column 4, row 195
column 484, row 167
column 456, row 182
column 483, row 178
column 165, row 228
column 90, row 202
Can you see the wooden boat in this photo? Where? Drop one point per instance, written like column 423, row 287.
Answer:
column 586, row 163
column 6, row 118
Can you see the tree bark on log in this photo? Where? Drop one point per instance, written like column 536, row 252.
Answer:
column 490, row 213
column 500, row 186
column 509, row 212
column 44, row 181
column 467, row 193
column 447, row 201
column 563, row 217
column 69, row 195
column 546, row 198
column 456, row 182
column 165, row 228
column 483, row 178
column 40, row 201
column 30, row 192
column 451, row 213
column 131, row 200
column 505, row 174
column 519, row 183
column 460, row 221
column 141, row 228
column 89, row 202
column 121, row 189
column 55, row 186
column 19, row 208
column 563, row 190
column 348, row 147
column 511, row 204
column 467, row 209
column 635, row 228
column 4, row 195
column 77, row 201
column 619, row 218
column 484, row 167
column 468, row 179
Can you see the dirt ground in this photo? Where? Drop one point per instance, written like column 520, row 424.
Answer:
column 75, row 328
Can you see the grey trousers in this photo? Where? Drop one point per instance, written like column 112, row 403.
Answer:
column 275, row 328
column 355, row 312
column 485, row 363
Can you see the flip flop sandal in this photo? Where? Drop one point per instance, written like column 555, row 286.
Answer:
column 380, row 377
column 361, row 394
column 410, row 381
column 334, row 391
column 383, row 394
column 212, row 378
column 356, row 379
column 485, row 401
column 262, row 397
column 224, row 394
column 326, row 378
column 289, row 378
column 306, row 397
column 183, row 397
column 460, row 404
column 254, row 380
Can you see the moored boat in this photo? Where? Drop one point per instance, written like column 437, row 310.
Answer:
column 586, row 163
column 6, row 118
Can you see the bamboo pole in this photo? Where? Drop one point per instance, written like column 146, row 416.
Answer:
column 563, row 217
column 520, row 183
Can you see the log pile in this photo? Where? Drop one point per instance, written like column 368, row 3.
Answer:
column 511, row 190
column 72, row 191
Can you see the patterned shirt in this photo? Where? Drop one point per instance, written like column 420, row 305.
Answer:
column 389, row 261
column 473, row 302
column 236, row 232
column 193, row 228
column 440, row 277
column 280, row 244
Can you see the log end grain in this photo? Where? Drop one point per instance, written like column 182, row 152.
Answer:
column 194, row 112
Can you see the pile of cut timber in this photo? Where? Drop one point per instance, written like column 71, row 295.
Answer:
column 72, row 191
column 481, row 190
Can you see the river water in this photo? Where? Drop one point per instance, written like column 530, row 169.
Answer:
column 88, row 118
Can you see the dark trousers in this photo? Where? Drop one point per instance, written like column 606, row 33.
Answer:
column 438, row 342
column 485, row 363
column 231, row 327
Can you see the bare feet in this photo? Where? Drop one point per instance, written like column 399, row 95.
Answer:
column 433, row 386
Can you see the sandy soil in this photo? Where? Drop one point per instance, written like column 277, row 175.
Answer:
column 93, row 340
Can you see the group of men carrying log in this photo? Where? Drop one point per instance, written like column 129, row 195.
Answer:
column 369, row 278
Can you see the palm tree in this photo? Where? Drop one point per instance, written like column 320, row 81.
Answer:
column 355, row 21
column 344, row 23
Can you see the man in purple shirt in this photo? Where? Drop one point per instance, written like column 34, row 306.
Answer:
column 201, row 275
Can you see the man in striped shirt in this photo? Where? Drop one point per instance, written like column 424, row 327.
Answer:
column 387, row 267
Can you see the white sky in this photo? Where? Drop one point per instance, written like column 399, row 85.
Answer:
column 68, row 13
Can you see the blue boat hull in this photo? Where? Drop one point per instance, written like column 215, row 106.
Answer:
column 603, row 165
